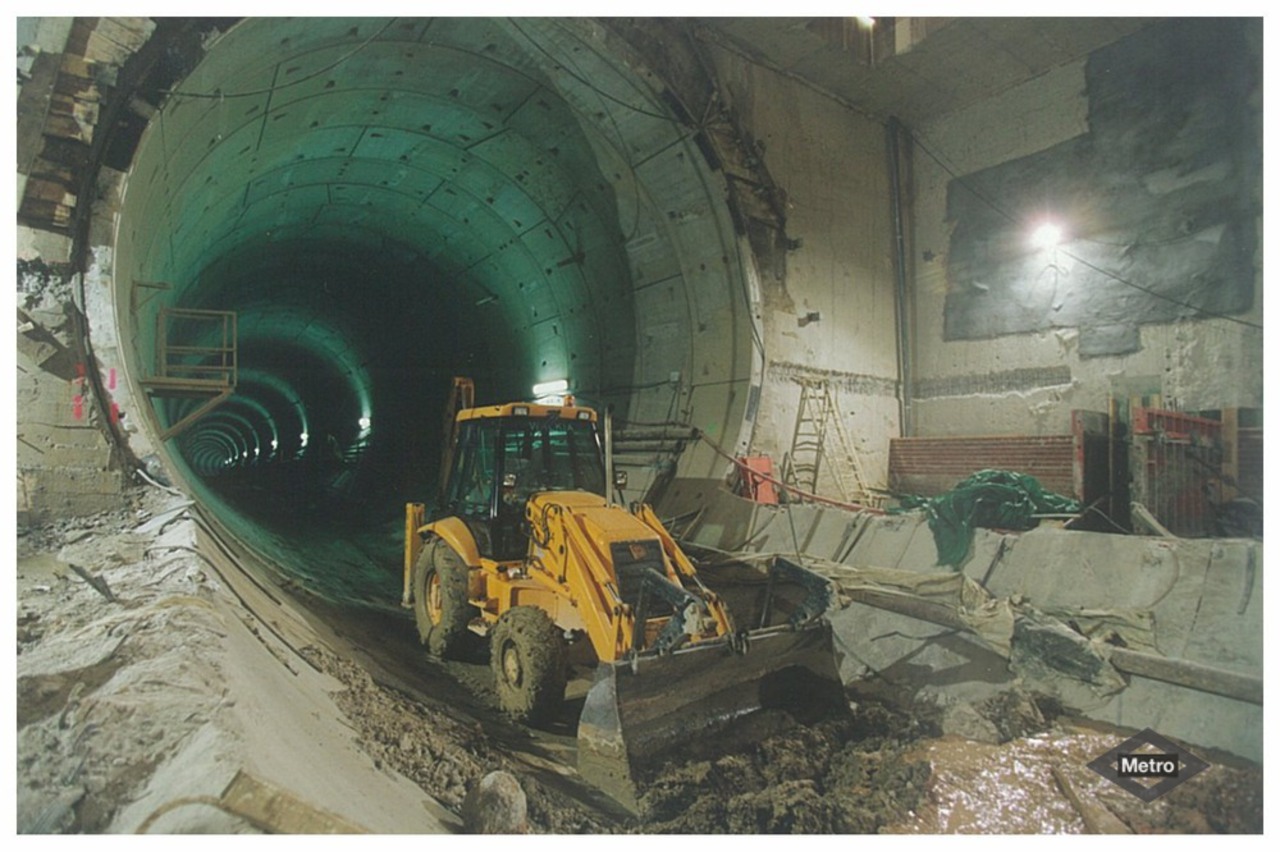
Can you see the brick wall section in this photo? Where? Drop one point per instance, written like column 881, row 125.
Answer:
column 930, row 466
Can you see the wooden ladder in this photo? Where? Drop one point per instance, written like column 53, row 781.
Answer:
column 817, row 415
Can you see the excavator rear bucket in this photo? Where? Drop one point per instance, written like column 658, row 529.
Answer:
column 638, row 711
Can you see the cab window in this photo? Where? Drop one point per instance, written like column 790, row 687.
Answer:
column 470, row 490
column 550, row 454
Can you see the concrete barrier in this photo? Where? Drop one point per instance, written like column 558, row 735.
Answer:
column 1200, row 598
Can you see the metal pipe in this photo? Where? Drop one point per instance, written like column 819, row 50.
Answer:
column 608, row 454
column 893, row 132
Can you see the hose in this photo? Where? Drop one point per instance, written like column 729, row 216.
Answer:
column 790, row 489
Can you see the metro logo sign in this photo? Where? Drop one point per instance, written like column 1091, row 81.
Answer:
column 1147, row 765
column 1133, row 761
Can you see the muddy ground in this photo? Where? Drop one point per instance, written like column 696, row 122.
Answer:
column 157, row 682
column 848, row 775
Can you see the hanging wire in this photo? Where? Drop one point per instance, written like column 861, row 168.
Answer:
column 563, row 65
column 219, row 95
column 617, row 131
column 558, row 64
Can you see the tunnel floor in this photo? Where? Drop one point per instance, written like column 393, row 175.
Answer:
column 140, row 656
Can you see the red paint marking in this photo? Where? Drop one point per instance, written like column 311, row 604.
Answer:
column 115, row 413
column 77, row 407
column 80, row 371
column 111, row 379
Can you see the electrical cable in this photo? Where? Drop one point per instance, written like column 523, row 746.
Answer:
column 211, row 801
column 790, row 489
column 272, row 89
column 561, row 66
column 1201, row 311
column 621, row 142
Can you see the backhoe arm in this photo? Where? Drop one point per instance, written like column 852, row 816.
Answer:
column 681, row 568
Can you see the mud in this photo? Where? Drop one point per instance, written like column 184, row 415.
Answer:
column 1040, row 783
column 840, row 776
column 770, row 775
column 1224, row 800
column 442, row 755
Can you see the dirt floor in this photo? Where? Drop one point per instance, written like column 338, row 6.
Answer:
column 149, row 679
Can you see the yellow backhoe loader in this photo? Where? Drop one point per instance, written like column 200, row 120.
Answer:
column 529, row 548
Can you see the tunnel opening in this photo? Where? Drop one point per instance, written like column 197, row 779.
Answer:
column 385, row 204
column 327, row 338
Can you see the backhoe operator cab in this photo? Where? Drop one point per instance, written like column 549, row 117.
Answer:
column 504, row 455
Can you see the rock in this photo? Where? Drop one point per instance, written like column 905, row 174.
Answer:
column 495, row 805
column 962, row 719
column 154, row 468
column 1014, row 713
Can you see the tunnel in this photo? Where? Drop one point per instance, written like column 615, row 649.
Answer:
column 369, row 207
column 253, row 254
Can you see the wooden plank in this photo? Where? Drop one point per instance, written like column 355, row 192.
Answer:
column 1241, row 687
column 278, row 811
column 1143, row 515
column 1097, row 818
column 39, row 189
column 65, row 127
column 1230, row 454
column 76, row 66
column 45, row 212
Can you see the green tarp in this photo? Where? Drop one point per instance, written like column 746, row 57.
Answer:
column 999, row 499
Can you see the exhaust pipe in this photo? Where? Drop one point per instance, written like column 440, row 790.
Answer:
column 608, row 454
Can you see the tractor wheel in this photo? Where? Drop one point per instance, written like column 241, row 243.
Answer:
column 440, row 603
column 527, row 653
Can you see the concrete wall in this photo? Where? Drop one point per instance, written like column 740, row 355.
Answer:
column 1004, row 381
column 831, row 163
column 65, row 464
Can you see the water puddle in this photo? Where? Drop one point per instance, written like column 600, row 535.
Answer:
column 1042, row 785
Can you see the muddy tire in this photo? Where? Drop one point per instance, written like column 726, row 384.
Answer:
column 440, row 604
column 527, row 654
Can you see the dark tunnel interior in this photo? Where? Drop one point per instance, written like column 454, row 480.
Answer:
column 384, row 204
column 327, row 337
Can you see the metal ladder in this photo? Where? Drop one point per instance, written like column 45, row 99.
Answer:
column 196, row 358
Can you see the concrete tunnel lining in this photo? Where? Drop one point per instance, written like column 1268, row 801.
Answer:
column 389, row 202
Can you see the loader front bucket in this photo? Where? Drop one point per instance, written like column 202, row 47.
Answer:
column 638, row 711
